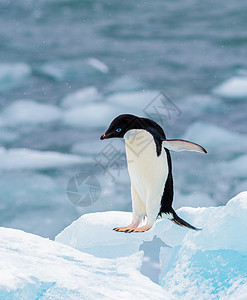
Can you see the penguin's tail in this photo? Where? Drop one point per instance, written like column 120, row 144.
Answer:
column 177, row 220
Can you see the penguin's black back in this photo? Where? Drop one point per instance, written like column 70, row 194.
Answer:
column 167, row 197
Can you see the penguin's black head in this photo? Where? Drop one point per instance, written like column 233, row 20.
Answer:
column 120, row 125
column 123, row 123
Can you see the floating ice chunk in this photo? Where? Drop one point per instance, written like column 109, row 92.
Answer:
column 33, row 267
column 215, row 138
column 81, row 97
column 97, row 64
column 77, row 70
column 235, row 87
column 13, row 74
column 125, row 83
column 33, row 159
column 24, row 112
column 90, row 116
column 137, row 101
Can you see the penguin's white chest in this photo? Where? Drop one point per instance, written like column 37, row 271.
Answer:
column 148, row 172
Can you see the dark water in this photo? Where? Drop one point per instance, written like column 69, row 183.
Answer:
column 183, row 48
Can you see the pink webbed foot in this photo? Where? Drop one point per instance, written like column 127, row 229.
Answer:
column 131, row 228
column 141, row 229
column 126, row 229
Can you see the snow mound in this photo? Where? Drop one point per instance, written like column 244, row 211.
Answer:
column 28, row 112
column 13, row 74
column 235, row 87
column 22, row 158
column 80, row 97
column 206, row 264
column 215, row 138
column 36, row 268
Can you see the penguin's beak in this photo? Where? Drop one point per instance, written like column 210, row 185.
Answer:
column 105, row 136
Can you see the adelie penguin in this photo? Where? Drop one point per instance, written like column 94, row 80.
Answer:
column 150, row 169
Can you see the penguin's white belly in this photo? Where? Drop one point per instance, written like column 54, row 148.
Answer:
column 148, row 172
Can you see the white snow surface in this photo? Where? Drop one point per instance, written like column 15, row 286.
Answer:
column 206, row 264
column 23, row 158
column 234, row 87
column 88, row 260
column 37, row 268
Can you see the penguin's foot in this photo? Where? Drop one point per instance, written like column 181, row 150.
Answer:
column 141, row 229
column 126, row 229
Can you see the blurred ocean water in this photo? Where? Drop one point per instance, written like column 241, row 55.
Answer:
column 68, row 67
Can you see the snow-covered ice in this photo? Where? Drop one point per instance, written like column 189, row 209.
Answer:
column 36, row 268
column 206, row 264
column 22, row 158
column 234, row 87
column 29, row 112
column 212, row 263
column 88, row 260
column 13, row 74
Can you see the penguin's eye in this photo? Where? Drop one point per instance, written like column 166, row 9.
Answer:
column 118, row 130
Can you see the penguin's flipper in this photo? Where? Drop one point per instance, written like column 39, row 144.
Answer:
column 182, row 145
column 177, row 220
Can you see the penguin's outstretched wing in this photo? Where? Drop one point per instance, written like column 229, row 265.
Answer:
column 182, row 145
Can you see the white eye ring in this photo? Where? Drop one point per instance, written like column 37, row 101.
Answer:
column 118, row 130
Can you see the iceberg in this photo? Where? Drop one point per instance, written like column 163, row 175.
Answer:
column 13, row 74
